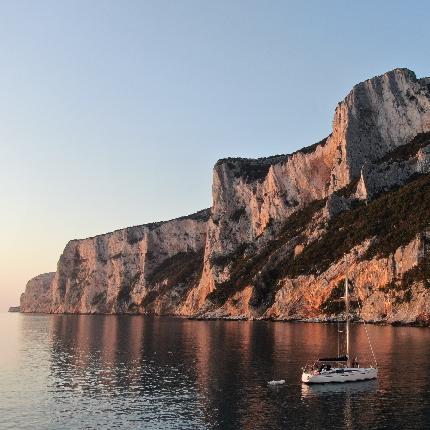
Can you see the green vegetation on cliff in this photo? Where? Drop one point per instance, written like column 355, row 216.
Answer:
column 404, row 152
column 180, row 271
column 390, row 221
column 246, row 263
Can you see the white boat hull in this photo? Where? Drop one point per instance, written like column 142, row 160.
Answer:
column 348, row 374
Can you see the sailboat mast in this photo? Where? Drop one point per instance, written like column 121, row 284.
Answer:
column 347, row 307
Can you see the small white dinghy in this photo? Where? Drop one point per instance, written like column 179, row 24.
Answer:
column 277, row 382
column 339, row 369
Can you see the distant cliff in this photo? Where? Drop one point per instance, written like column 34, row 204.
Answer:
column 148, row 268
column 273, row 243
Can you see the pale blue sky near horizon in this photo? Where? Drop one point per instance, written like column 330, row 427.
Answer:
column 113, row 113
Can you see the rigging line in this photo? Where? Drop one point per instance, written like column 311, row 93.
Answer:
column 338, row 331
column 368, row 337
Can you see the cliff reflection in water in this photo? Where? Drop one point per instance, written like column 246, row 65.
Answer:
column 174, row 373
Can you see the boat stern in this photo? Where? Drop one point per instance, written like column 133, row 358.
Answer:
column 307, row 377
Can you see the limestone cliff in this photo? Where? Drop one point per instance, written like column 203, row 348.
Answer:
column 252, row 199
column 147, row 268
column 38, row 294
column 258, row 252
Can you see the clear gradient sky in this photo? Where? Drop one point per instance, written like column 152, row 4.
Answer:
column 112, row 113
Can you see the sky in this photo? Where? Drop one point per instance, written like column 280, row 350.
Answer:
column 113, row 114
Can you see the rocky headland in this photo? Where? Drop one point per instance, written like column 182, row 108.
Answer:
column 275, row 241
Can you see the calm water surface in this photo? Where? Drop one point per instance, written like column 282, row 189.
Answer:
column 90, row 372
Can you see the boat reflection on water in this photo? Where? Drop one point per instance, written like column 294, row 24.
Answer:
column 349, row 397
column 314, row 390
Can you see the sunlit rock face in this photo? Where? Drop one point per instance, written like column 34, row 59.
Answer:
column 307, row 297
column 38, row 294
column 147, row 268
column 377, row 116
column 239, row 258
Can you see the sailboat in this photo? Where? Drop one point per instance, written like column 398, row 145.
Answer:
column 340, row 369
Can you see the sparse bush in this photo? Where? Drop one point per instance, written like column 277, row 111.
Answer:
column 181, row 271
column 335, row 303
column 246, row 266
column 390, row 219
column 404, row 152
column 127, row 284
column 237, row 214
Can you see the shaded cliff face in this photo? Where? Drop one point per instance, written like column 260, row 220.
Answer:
column 377, row 116
column 250, row 255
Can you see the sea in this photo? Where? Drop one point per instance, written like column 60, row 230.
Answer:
column 141, row 372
